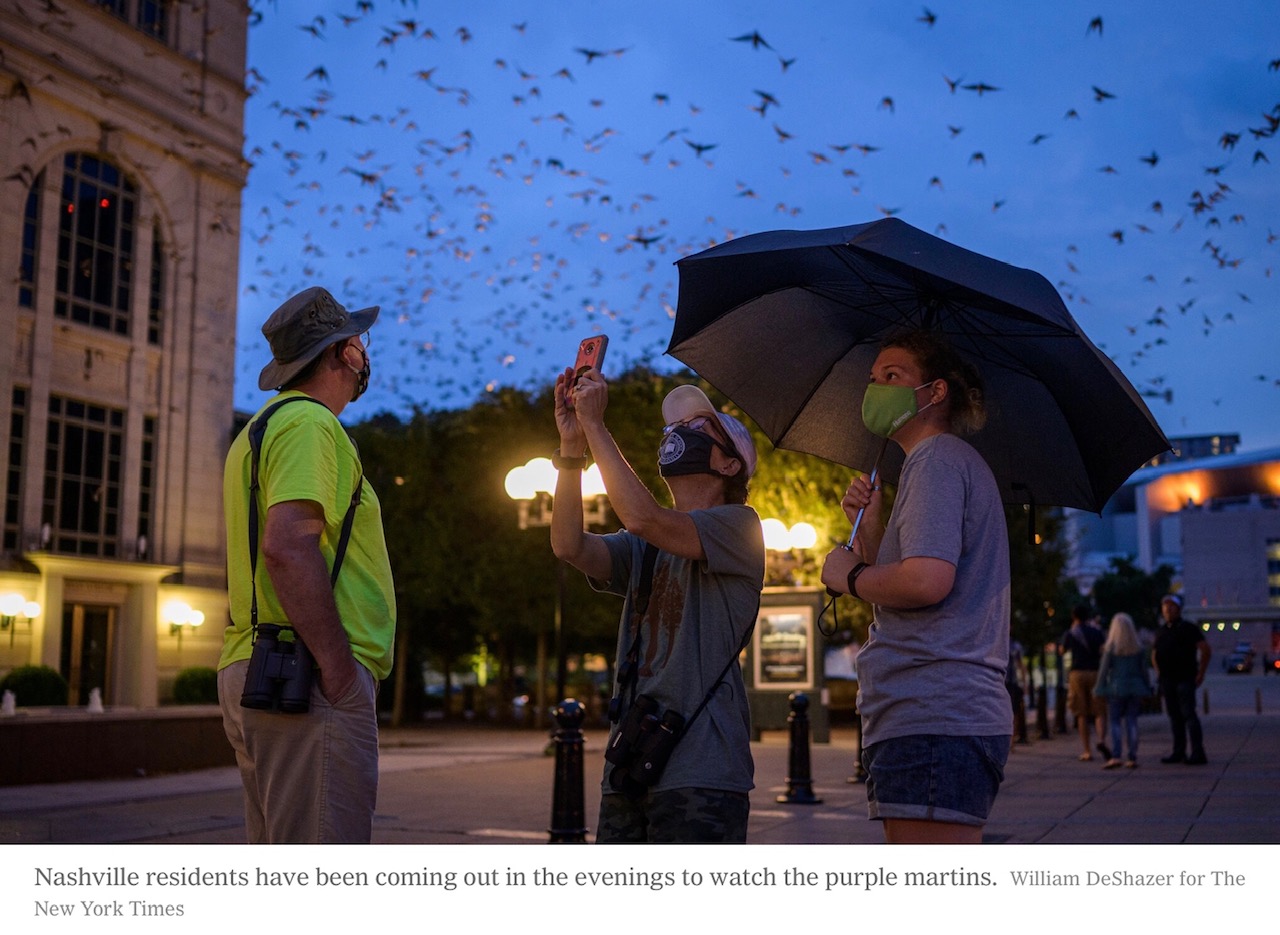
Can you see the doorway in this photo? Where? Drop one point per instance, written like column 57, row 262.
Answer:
column 88, row 634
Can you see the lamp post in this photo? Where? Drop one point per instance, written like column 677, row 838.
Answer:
column 781, row 544
column 532, row 485
column 180, row 615
column 12, row 607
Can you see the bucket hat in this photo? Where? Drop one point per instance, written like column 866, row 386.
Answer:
column 302, row 327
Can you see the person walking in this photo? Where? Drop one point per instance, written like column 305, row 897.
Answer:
column 1123, row 681
column 690, row 576
column 309, row 768
column 1084, row 642
column 936, row 714
column 1180, row 657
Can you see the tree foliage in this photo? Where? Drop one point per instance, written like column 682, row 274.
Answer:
column 1127, row 588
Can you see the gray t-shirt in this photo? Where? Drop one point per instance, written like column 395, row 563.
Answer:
column 940, row 669
column 699, row 613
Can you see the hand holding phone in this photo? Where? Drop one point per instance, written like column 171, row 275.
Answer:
column 590, row 354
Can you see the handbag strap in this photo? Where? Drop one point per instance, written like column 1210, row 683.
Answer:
column 257, row 431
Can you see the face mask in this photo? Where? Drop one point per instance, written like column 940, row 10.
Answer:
column 887, row 407
column 685, row 451
column 362, row 375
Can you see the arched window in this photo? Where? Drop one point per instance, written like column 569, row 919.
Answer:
column 30, row 237
column 95, row 244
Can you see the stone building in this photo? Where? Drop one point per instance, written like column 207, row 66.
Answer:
column 121, row 147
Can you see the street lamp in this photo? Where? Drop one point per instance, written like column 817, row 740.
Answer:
column 532, row 485
column 13, row 606
column 782, row 543
column 180, row 615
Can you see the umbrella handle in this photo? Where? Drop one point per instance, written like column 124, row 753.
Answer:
column 857, row 520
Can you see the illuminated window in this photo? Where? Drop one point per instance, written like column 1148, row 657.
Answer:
column 95, row 244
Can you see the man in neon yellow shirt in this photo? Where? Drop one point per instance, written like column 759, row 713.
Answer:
column 310, row 776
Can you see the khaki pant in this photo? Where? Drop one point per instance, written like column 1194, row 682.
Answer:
column 308, row 778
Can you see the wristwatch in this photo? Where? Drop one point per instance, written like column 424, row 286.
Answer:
column 561, row 463
column 853, row 578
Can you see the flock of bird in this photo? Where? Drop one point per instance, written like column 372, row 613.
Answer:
column 504, row 188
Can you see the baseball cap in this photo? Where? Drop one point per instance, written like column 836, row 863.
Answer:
column 1173, row 598
column 687, row 401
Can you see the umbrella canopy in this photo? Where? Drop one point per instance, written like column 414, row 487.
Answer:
column 786, row 324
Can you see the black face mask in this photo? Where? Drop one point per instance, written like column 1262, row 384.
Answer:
column 686, row 451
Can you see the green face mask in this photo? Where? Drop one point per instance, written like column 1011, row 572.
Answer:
column 887, row 407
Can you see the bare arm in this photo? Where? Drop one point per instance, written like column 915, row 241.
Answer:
column 291, row 553
column 670, row 530
column 914, row 582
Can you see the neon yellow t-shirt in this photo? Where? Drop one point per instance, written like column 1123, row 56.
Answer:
column 306, row 455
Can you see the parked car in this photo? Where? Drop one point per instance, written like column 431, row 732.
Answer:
column 1240, row 660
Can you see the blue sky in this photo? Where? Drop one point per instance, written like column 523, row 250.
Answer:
column 506, row 178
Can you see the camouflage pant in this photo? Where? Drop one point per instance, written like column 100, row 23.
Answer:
column 676, row 816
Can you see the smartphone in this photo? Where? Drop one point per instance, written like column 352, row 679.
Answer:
column 590, row 354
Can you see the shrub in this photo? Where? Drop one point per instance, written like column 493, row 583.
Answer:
column 35, row 686
column 196, row 685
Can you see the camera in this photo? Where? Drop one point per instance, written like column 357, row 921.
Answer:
column 642, row 746
column 280, row 672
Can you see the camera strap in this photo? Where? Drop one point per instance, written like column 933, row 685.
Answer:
column 639, row 608
column 256, row 433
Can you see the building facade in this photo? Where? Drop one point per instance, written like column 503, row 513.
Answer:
column 1216, row 522
column 122, row 147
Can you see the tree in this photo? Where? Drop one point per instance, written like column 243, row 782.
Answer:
column 1127, row 588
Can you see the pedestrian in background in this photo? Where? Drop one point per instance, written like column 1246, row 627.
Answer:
column 1084, row 642
column 1124, row 682
column 1181, row 658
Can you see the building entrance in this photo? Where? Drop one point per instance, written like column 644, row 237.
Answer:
column 88, row 635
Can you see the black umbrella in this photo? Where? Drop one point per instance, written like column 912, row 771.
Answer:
column 786, row 324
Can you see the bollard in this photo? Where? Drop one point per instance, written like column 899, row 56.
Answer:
column 568, row 813
column 1020, row 717
column 799, row 781
column 1042, row 711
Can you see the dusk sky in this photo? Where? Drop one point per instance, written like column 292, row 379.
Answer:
column 504, row 179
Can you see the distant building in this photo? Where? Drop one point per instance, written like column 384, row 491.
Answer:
column 1190, row 447
column 122, row 164
column 1216, row 522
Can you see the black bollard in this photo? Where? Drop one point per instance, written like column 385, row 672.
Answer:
column 1060, row 692
column 1019, row 715
column 1042, row 708
column 799, row 780
column 568, row 812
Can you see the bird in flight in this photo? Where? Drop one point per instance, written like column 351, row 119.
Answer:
column 1095, row 25
column 756, row 40
column 928, row 17
column 981, row 87
column 1100, row 95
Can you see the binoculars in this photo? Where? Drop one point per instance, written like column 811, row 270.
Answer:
column 642, row 746
column 280, row 673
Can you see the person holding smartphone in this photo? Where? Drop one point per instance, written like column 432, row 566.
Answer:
column 680, row 654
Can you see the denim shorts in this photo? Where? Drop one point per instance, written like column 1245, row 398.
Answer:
column 933, row 777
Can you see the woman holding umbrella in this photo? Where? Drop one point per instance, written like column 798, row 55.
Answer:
column 936, row 717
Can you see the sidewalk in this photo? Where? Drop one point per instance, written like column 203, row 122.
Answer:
column 447, row 784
